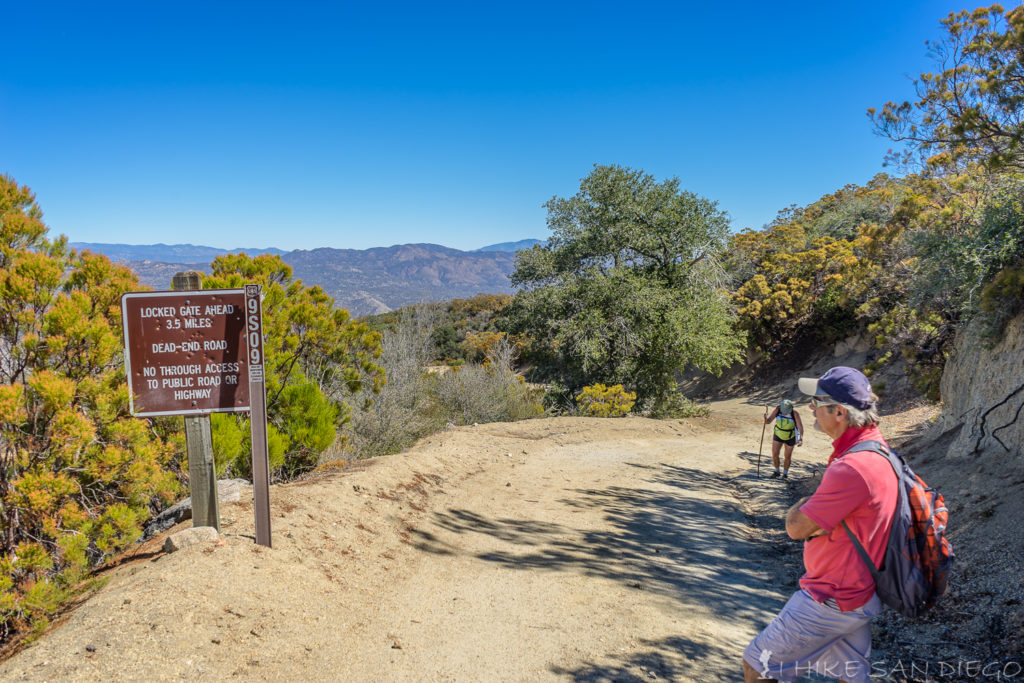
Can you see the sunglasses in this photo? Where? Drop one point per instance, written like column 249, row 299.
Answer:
column 819, row 401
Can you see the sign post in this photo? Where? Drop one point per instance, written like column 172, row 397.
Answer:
column 191, row 353
column 202, row 474
column 258, row 414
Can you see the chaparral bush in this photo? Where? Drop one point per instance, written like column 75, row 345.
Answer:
column 78, row 474
column 598, row 400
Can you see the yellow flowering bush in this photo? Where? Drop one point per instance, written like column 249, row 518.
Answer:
column 598, row 400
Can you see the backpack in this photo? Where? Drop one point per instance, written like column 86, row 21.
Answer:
column 785, row 427
column 918, row 556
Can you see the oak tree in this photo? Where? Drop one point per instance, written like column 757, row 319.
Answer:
column 628, row 289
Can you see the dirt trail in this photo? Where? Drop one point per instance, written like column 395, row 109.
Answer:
column 556, row 549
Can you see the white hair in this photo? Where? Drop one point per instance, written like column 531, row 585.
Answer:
column 863, row 418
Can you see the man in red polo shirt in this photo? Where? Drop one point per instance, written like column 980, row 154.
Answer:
column 826, row 625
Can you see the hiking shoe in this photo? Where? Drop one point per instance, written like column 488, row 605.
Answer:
column 785, row 475
column 775, row 475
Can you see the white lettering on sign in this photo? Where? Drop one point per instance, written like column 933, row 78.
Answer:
column 220, row 309
column 255, row 356
column 170, row 370
column 157, row 311
column 221, row 367
column 177, row 382
column 190, row 394
column 197, row 323
column 188, row 310
column 255, row 342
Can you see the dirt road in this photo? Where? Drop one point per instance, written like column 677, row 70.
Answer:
column 556, row 549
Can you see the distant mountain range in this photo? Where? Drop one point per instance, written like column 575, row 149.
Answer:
column 364, row 281
column 165, row 253
column 511, row 246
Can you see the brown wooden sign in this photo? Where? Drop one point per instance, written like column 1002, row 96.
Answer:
column 186, row 352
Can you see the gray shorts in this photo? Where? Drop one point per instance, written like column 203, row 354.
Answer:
column 811, row 636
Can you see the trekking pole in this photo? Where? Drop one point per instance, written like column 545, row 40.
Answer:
column 762, row 444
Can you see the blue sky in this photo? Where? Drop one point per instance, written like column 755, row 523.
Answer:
column 308, row 125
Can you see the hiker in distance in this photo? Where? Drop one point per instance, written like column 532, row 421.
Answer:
column 788, row 432
column 826, row 625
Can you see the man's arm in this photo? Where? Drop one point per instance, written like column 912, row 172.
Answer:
column 799, row 428
column 768, row 418
column 841, row 492
column 799, row 525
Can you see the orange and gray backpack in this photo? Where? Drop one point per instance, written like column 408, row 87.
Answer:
column 918, row 556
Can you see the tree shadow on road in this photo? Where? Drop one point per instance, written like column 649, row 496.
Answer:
column 683, row 537
column 673, row 659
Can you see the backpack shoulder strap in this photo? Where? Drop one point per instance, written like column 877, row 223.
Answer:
column 861, row 551
column 869, row 445
column 888, row 454
column 895, row 460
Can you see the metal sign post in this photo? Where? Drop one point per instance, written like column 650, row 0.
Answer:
column 258, row 413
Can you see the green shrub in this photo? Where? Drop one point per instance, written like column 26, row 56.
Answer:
column 875, row 365
column 232, row 450
column 1001, row 301
column 414, row 403
column 676, row 406
column 599, row 400
column 558, row 399
column 401, row 412
column 307, row 421
column 926, row 379
column 492, row 392
column 80, row 475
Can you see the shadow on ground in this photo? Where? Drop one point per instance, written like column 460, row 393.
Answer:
column 673, row 659
column 683, row 536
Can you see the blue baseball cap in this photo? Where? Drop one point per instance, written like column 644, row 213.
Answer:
column 841, row 384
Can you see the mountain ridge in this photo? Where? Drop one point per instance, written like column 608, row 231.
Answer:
column 511, row 246
column 364, row 281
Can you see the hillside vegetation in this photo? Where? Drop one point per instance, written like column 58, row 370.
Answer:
column 640, row 281
column 631, row 285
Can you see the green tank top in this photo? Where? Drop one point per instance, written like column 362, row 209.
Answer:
column 785, row 427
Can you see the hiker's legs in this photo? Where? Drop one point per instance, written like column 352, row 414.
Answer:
column 788, row 457
column 776, row 447
column 809, row 636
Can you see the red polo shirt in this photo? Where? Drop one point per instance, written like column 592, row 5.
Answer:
column 861, row 488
